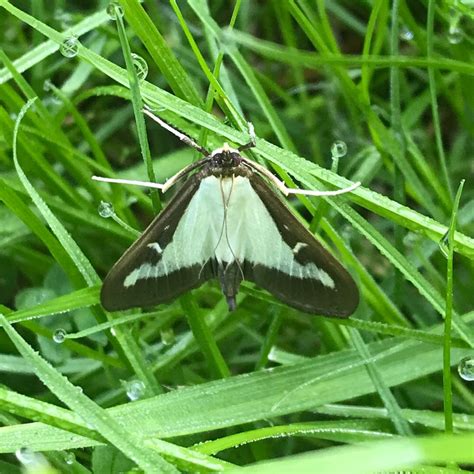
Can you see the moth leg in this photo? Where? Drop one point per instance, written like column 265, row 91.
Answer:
column 286, row 191
column 183, row 137
column 308, row 192
column 148, row 184
column 253, row 138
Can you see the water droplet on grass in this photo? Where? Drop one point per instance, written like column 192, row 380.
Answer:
column 135, row 389
column 69, row 47
column 167, row 337
column 455, row 34
column 338, row 149
column 25, row 455
column 114, row 10
column 47, row 85
column 405, row 33
column 105, row 209
column 69, row 458
column 141, row 66
column 466, row 369
column 59, row 335
column 444, row 244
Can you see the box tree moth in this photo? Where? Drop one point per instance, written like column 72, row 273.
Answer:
column 227, row 223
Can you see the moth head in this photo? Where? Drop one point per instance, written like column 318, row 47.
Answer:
column 226, row 157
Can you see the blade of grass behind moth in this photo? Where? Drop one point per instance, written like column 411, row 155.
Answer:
column 289, row 36
column 396, row 125
column 220, row 72
column 403, row 265
column 373, row 40
column 434, row 100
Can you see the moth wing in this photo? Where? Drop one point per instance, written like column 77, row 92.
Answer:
column 316, row 282
column 137, row 279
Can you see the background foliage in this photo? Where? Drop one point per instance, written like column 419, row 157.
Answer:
column 376, row 91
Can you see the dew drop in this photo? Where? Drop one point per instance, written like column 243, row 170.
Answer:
column 135, row 389
column 105, row 209
column 466, row 369
column 69, row 47
column 405, row 33
column 114, row 10
column 167, row 337
column 25, row 455
column 444, row 244
column 338, row 149
column 47, row 85
column 141, row 66
column 410, row 240
column 59, row 335
column 455, row 34
column 69, row 457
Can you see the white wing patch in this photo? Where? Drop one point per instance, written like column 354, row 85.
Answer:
column 246, row 232
column 156, row 247
column 298, row 247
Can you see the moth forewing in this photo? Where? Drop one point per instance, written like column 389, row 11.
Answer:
column 136, row 264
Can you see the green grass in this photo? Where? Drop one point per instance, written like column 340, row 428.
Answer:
column 188, row 387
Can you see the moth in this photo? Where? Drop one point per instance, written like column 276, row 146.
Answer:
column 228, row 223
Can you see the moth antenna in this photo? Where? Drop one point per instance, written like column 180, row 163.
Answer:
column 183, row 137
